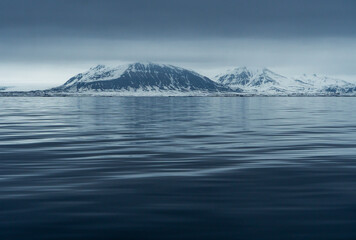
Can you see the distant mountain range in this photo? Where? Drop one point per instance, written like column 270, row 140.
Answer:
column 265, row 82
column 150, row 79
column 3, row 88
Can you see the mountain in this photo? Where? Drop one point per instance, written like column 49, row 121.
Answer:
column 3, row 88
column 322, row 84
column 266, row 82
column 140, row 78
column 253, row 80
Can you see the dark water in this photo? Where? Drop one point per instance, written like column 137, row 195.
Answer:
column 178, row 168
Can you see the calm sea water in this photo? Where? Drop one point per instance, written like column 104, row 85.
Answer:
column 177, row 168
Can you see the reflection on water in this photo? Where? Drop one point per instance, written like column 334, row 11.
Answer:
column 177, row 168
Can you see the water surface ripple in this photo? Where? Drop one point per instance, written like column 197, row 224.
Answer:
column 177, row 168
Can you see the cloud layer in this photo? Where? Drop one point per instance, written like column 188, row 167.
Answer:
column 61, row 37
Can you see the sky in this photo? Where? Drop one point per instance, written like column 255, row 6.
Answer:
column 45, row 42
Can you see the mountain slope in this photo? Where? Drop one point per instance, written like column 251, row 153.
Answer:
column 321, row 84
column 265, row 82
column 140, row 77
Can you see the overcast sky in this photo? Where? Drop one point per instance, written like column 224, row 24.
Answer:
column 44, row 42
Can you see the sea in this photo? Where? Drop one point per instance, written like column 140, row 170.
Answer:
column 177, row 168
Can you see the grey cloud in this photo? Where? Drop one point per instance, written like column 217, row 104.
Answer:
column 288, row 35
column 333, row 55
column 178, row 19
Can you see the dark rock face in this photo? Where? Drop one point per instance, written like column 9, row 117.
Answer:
column 141, row 77
column 340, row 90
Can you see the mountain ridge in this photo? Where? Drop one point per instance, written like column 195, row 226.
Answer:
column 266, row 82
column 152, row 79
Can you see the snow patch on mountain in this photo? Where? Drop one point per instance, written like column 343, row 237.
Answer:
column 98, row 73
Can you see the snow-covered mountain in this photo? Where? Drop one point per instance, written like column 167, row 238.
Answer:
column 266, row 82
column 3, row 88
column 141, row 78
column 322, row 84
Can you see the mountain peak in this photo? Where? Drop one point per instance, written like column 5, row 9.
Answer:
column 98, row 67
column 249, row 70
column 249, row 77
column 146, row 65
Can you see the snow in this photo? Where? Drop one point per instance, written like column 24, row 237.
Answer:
column 265, row 82
column 99, row 73
column 321, row 81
